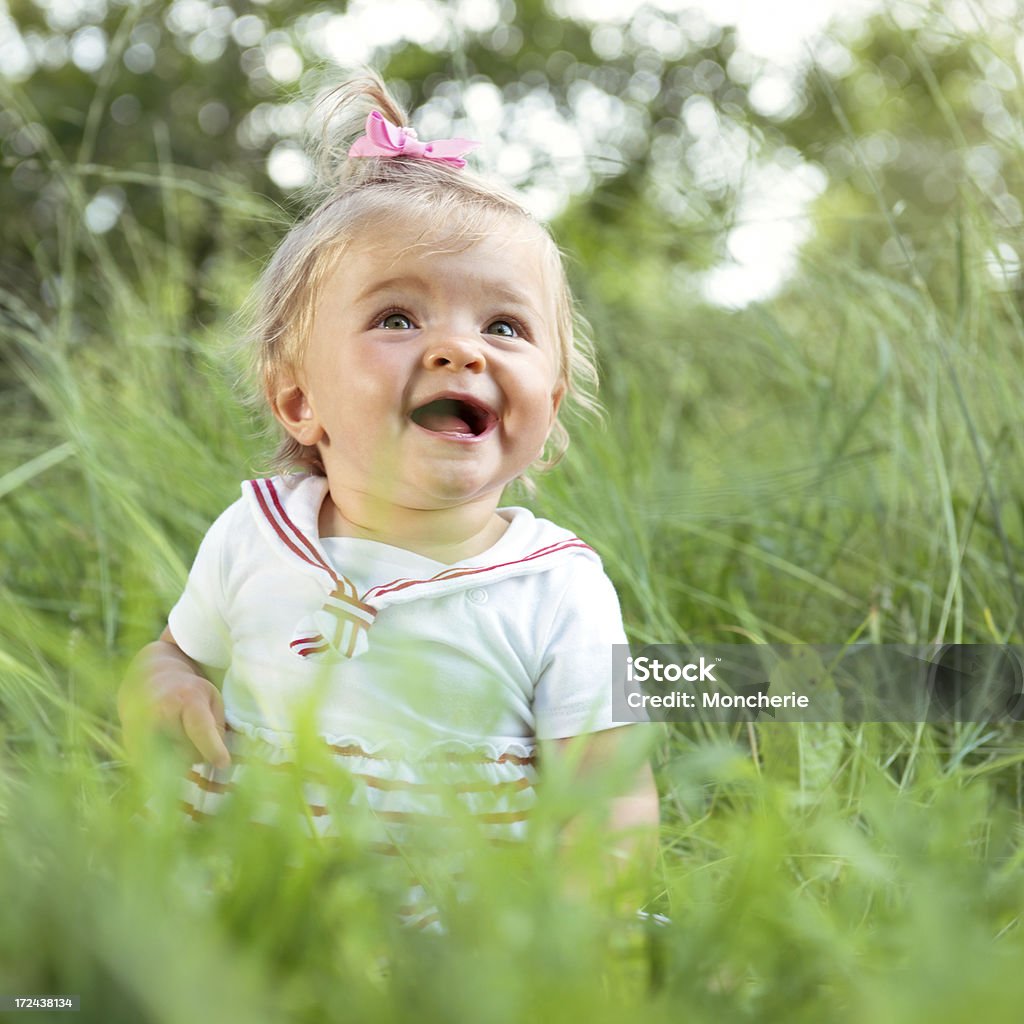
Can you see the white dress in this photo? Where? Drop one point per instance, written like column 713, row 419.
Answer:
column 426, row 686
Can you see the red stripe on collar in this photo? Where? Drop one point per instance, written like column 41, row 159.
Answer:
column 288, row 533
column 453, row 574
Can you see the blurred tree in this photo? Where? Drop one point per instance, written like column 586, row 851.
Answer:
column 156, row 112
column 162, row 116
column 917, row 120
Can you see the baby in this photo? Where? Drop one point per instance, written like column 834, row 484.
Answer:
column 415, row 341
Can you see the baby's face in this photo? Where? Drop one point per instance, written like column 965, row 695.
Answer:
column 430, row 378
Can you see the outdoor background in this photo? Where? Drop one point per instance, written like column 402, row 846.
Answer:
column 797, row 240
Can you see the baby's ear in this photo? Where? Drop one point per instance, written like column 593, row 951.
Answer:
column 556, row 400
column 293, row 409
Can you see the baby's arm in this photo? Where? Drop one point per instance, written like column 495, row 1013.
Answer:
column 166, row 690
column 633, row 815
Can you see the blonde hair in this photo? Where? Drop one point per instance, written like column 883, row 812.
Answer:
column 350, row 192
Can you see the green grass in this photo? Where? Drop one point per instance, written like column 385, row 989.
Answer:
column 843, row 462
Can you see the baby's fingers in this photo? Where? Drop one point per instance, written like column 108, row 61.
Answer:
column 203, row 722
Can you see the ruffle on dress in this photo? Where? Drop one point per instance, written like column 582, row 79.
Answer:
column 430, row 805
column 450, row 789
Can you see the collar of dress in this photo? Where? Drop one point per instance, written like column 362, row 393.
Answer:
column 286, row 511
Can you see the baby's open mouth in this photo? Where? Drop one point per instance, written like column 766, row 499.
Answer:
column 454, row 416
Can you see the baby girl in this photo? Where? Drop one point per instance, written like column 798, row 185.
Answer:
column 415, row 341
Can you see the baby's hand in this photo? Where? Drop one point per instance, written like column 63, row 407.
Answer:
column 165, row 691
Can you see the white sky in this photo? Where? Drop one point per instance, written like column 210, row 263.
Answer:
column 774, row 29
column 771, row 221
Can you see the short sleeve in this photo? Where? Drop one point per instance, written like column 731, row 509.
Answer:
column 198, row 622
column 573, row 694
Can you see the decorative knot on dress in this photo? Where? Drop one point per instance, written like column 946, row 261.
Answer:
column 339, row 628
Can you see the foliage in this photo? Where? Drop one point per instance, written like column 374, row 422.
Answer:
column 838, row 462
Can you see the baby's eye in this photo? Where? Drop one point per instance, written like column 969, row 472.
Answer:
column 395, row 322
column 502, row 328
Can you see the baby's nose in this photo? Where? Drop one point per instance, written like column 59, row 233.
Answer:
column 455, row 353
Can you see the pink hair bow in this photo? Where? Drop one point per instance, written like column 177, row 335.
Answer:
column 382, row 138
